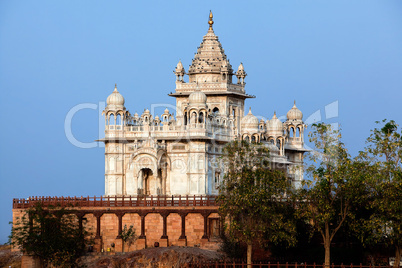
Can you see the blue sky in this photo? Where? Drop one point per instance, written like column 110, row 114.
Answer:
column 55, row 55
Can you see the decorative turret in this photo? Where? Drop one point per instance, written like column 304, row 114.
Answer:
column 115, row 101
column 165, row 115
column 146, row 117
column 274, row 127
column 249, row 122
column 261, row 126
column 295, row 126
column 115, row 112
column 294, row 113
column 241, row 74
column 226, row 71
column 179, row 72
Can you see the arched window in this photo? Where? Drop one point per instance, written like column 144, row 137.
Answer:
column 215, row 110
column 278, row 143
column 247, row 139
column 194, row 116
column 253, row 139
column 185, row 119
column 111, row 119
column 291, row 132
column 118, row 119
column 201, row 118
column 298, row 132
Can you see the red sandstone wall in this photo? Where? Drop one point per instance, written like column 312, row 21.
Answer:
column 173, row 228
column 135, row 220
column 194, row 229
column 153, row 229
column 109, row 230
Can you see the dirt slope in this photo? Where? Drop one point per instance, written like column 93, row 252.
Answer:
column 152, row 258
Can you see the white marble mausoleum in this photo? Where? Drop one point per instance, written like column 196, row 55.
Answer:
column 177, row 154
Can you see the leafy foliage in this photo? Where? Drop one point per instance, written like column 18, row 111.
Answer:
column 128, row 235
column 326, row 200
column 251, row 196
column 382, row 160
column 52, row 234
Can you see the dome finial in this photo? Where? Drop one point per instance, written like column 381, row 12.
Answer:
column 115, row 87
column 210, row 22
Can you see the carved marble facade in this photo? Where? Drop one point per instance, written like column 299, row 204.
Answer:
column 177, row 155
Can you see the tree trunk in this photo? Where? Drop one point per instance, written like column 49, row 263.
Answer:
column 397, row 257
column 327, row 246
column 122, row 246
column 249, row 253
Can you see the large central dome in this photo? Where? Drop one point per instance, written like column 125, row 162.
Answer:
column 210, row 55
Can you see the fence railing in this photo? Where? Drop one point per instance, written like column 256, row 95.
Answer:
column 118, row 201
column 243, row 264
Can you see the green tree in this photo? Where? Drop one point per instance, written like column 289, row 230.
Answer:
column 251, row 197
column 383, row 161
column 128, row 235
column 326, row 199
column 52, row 234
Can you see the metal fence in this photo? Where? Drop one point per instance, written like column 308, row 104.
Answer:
column 243, row 264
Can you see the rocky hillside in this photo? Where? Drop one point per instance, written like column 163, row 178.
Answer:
column 8, row 258
column 152, row 258
column 146, row 258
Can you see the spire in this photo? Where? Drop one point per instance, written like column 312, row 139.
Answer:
column 115, row 88
column 210, row 22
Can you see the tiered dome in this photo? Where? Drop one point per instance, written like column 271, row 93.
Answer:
column 115, row 100
column 210, row 54
column 294, row 113
column 250, row 122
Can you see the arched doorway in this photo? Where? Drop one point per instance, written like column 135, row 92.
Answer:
column 146, row 181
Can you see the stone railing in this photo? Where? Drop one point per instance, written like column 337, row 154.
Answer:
column 193, row 129
column 117, row 201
